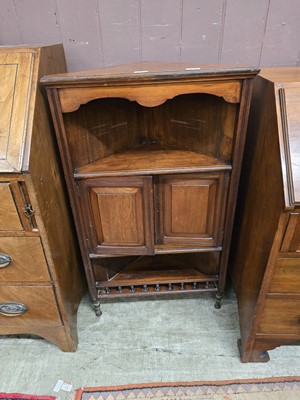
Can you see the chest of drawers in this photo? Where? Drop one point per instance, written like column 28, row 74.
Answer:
column 40, row 286
column 265, row 256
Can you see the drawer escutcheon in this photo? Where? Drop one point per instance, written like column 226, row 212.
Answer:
column 5, row 260
column 12, row 309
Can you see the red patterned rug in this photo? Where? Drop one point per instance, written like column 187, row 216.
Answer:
column 285, row 388
column 20, row 396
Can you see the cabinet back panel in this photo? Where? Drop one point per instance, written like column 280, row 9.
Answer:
column 101, row 128
column 198, row 122
column 108, row 268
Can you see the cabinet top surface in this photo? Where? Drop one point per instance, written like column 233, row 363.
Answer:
column 281, row 75
column 26, row 48
column 150, row 71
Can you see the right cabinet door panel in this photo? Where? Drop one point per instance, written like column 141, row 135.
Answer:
column 189, row 209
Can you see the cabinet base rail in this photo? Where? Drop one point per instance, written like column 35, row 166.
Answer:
column 152, row 289
column 110, row 290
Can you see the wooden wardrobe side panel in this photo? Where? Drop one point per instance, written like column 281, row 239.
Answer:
column 260, row 201
column 48, row 188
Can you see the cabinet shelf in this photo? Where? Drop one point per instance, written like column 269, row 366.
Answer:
column 151, row 159
column 162, row 274
column 158, row 276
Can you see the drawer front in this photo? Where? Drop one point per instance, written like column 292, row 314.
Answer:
column 291, row 240
column 286, row 276
column 22, row 259
column 9, row 216
column 28, row 305
column 16, row 212
column 281, row 316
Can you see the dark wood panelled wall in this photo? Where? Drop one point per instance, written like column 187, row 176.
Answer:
column 152, row 155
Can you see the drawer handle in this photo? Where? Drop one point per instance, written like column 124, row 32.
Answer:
column 5, row 260
column 12, row 309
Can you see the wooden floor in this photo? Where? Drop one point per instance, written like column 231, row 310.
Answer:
column 141, row 341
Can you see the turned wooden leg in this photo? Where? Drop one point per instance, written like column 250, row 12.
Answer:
column 219, row 297
column 96, row 307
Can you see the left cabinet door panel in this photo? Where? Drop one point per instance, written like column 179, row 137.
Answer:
column 119, row 212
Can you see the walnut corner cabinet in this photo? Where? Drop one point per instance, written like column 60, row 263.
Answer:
column 265, row 260
column 152, row 154
column 40, row 284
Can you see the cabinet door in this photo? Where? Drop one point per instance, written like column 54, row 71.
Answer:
column 15, row 77
column 118, row 215
column 191, row 208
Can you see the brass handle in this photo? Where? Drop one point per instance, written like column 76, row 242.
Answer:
column 5, row 260
column 12, row 309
